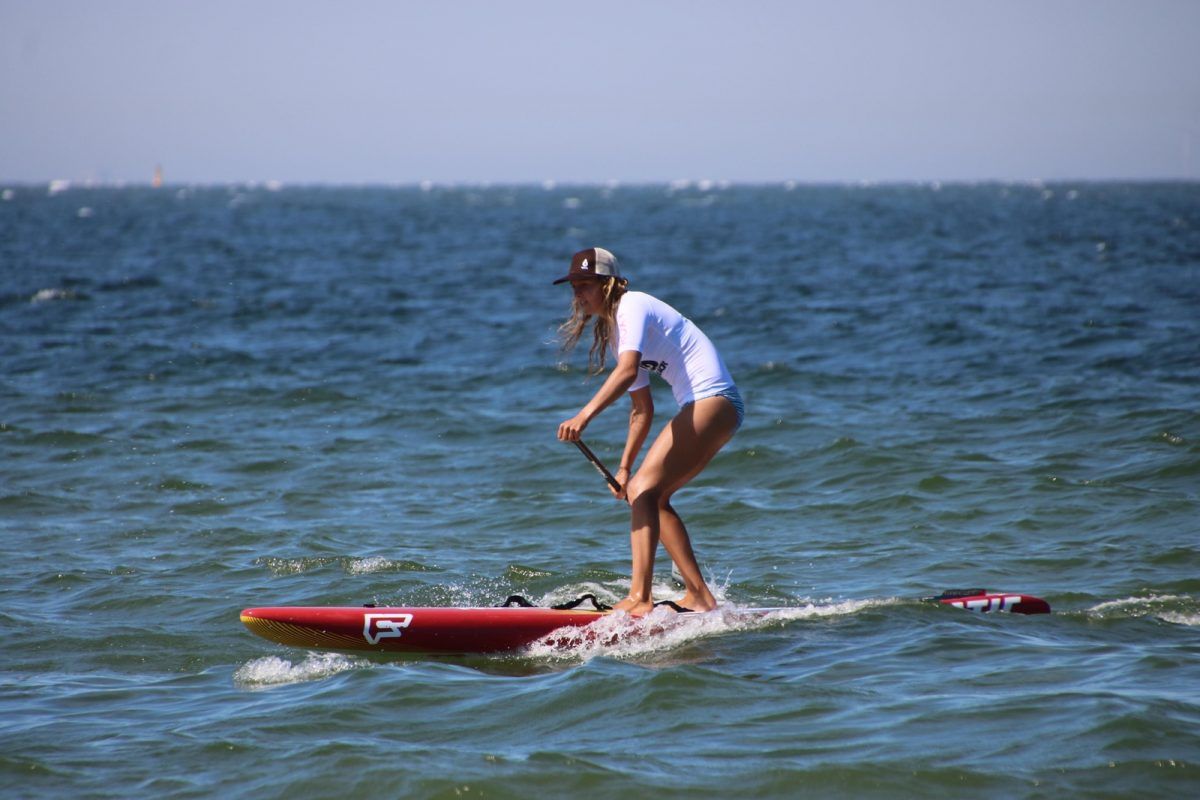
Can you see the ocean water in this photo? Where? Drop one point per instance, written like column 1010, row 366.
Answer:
column 220, row 397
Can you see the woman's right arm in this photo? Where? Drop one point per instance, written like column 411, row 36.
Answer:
column 618, row 381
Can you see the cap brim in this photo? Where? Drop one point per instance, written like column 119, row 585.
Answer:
column 582, row 276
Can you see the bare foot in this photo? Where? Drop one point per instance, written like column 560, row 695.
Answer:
column 623, row 605
column 635, row 608
column 698, row 604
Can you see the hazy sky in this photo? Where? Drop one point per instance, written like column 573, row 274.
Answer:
column 516, row 90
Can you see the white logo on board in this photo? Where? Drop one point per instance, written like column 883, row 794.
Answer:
column 384, row 626
column 989, row 603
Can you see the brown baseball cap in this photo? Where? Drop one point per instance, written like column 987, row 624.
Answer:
column 593, row 262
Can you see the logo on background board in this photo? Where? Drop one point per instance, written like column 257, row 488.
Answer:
column 384, row 626
column 989, row 603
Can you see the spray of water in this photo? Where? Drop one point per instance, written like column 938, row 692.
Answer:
column 622, row 636
column 271, row 671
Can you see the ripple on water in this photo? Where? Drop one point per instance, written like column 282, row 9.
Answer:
column 1175, row 609
column 269, row 671
column 349, row 564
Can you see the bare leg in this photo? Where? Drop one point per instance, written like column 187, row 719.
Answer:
column 643, row 541
column 679, row 546
column 681, row 451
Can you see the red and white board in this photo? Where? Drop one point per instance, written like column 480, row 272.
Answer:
column 417, row 629
column 983, row 600
column 411, row 629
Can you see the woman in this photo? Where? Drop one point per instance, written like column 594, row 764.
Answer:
column 647, row 335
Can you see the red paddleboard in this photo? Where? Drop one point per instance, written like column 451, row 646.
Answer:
column 411, row 630
column 490, row 630
column 984, row 600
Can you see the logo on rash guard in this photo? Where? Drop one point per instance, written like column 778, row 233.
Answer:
column 654, row 366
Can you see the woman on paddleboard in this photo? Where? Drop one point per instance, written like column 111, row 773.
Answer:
column 647, row 335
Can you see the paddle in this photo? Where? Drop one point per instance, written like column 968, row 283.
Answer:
column 587, row 452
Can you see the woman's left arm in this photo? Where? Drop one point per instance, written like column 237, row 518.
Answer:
column 617, row 383
column 641, row 415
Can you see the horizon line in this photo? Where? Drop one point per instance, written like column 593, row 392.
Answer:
column 55, row 185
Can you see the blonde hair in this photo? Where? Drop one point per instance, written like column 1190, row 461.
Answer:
column 572, row 329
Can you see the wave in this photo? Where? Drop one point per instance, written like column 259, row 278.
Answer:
column 275, row 671
column 376, row 564
column 1173, row 608
column 350, row 565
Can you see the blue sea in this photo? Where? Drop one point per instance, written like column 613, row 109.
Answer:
column 218, row 397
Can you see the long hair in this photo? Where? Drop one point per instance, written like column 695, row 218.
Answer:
column 572, row 329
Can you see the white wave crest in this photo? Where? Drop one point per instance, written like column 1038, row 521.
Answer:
column 365, row 566
column 276, row 671
column 291, row 566
column 827, row 608
column 49, row 295
column 1136, row 603
column 1174, row 608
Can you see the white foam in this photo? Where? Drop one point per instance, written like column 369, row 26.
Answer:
column 49, row 295
column 276, row 671
column 1173, row 608
column 1135, row 603
column 621, row 636
column 291, row 566
column 826, row 608
column 365, row 566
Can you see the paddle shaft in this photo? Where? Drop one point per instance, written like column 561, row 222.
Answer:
column 603, row 470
